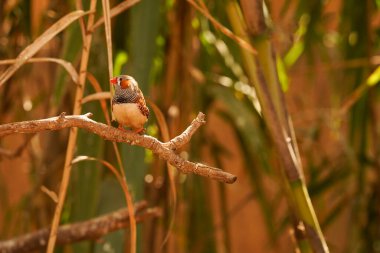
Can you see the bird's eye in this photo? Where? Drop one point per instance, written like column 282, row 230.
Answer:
column 119, row 80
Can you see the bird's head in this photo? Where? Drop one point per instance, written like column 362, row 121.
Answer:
column 124, row 82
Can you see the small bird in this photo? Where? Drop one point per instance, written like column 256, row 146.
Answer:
column 128, row 104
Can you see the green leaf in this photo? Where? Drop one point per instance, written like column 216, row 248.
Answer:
column 374, row 78
column 121, row 59
column 282, row 74
column 294, row 53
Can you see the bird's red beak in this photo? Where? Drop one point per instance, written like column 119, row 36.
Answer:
column 113, row 80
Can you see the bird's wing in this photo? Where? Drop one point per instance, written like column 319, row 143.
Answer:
column 139, row 99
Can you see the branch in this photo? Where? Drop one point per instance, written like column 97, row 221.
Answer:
column 185, row 137
column 163, row 150
column 87, row 230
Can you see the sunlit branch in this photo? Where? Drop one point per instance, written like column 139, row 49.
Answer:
column 163, row 150
column 87, row 230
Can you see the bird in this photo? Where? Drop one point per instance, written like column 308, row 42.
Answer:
column 128, row 104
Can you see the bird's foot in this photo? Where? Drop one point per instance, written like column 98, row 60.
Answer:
column 139, row 131
column 120, row 127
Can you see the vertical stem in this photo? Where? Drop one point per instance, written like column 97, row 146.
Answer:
column 123, row 182
column 262, row 72
column 73, row 132
column 108, row 30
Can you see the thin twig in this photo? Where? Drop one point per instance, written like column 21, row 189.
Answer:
column 117, row 135
column 87, row 230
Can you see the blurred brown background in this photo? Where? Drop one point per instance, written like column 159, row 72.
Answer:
column 326, row 51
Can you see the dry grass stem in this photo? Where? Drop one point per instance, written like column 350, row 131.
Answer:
column 353, row 98
column 107, row 27
column 44, row 38
column 74, row 131
column 241, row 42
column 108, row 32
column 164, row 129
column 94, row 96
column 103, row 95
column 65, row 64
column 100, row 95
column 79, row 6
column 123, row 6
column 123, row 183
column 52, row 195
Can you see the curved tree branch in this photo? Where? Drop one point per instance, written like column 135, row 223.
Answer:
column 163, row 150
column 86, row 230
column 182, row 139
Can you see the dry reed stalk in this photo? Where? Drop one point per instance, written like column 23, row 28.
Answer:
column 128, row 196
column 123, row 6
column 44, row 38
column 74, row 131
column 235, row 37
column 164, row 129
column 65, row 64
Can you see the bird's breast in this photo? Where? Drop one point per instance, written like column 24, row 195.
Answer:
column 129, row 114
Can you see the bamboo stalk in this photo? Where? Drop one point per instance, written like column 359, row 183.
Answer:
column 262, row 72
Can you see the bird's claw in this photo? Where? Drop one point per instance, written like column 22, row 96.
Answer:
column 140, row 131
